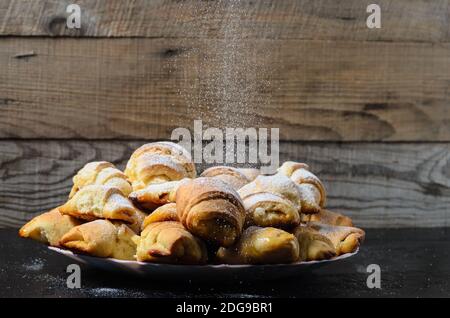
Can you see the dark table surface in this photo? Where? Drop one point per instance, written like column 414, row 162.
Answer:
column 413, row 262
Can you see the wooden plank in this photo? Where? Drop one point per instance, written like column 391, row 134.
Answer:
column 402, row 20
column 379, row 185
column 143, row 88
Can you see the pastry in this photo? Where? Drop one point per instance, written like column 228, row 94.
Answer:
column 138, row 219
column 156, row 194
column 159, row 162
column 271, row 201
column 167, row 212
column 165, row 240
column 250, row 173
column 322, row 241
column 261, row 246
column 101, row 238
column 211, row 209
column 313, row 246
column 233, row 176
column 169, row 242
column 102, row 173
column 49, row 227
column 312, row 190
column 327, row 217
column 99, row 201
column 230, row 215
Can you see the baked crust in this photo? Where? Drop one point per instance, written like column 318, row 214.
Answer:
column 271, row 201
column 100, row 202
column 312, row 191
column 327, row 217
column 49, row 227
column 322, row 241
column 169, row 242
column 159, row 162
column 102, row 238
column 101, row 173
column 167, row 212
column 211, row 209
column 233, row 176
column 261, row 246
column 156, row 195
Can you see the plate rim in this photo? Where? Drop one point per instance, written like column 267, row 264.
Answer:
column 71, row 254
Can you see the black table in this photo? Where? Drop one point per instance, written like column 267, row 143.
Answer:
column 414, row 263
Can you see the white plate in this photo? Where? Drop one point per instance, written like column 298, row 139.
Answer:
column 200, row 272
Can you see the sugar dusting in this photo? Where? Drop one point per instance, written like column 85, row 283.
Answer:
column 229, row 81
column 35, row 265
column 114, row 292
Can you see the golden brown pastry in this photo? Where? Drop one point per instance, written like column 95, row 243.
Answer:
column 138, row 220
column 327, row 217
column 167, row 212
column 102, row 173
column 211, row 209
column 159, row 162
column 322, row 241
column 165, row 240
column 156, row 194
column 100, row 201
column 271, row 201
column 101, row 238
column 312, row 190
column 313, row 246
column 261, row 246
column 233, row 176
column 49, row 227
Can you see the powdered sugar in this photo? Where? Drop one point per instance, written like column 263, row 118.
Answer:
column 35, row 265
column 229, row 78
column 113, row 292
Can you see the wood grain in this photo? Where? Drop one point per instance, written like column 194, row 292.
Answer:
column 143, row 88
column 377, row 184
column 402, row 20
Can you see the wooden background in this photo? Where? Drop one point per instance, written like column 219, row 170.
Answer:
column 367, row 109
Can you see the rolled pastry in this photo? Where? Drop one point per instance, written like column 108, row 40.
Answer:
column 156, row 194
column 167, row 212
column 102, row 173
column 313, row 246
column 211, row 209
column 271, row 201
column 312, row 190
column 138, row 220
column 49, row 227
column 233, row 176
column 102, row 238
column 322, row 241
column 165, row 240
column 250, row 173
column 327, row 217
column 261, row 246
column 159, row 162
column 99, row 201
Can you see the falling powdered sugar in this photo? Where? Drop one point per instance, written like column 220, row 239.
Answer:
column 230, row 73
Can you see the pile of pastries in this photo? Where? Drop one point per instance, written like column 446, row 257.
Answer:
column 159, row 211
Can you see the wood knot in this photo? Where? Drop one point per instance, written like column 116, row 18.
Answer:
column 172, row 52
